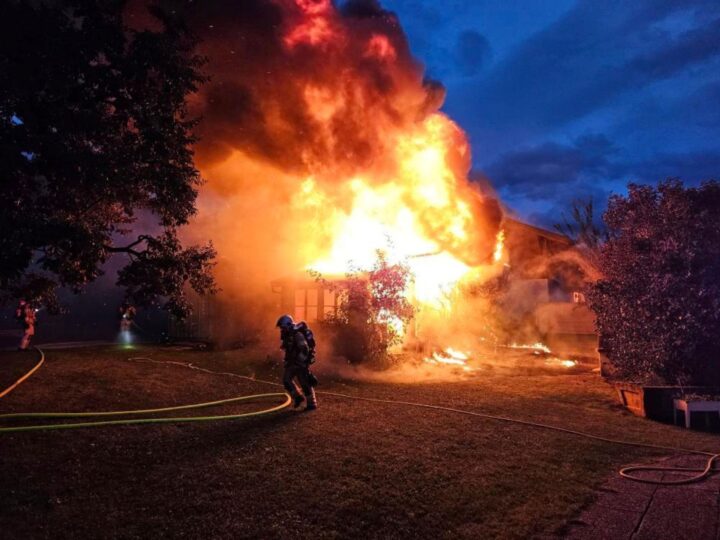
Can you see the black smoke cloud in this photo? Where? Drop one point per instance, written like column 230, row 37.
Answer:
column 255, row 101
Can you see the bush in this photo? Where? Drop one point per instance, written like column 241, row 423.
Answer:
column 658, row 302
column 373, row 312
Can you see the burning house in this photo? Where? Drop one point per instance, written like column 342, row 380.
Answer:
column 546, row 288
column 534, row 290
column 323, row 142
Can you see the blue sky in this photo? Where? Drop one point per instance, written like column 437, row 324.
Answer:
column 574, row 98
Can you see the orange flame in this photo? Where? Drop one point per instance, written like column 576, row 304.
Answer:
column 499, row 246
column 323, row 143
column 450, row 356
column 420, row 214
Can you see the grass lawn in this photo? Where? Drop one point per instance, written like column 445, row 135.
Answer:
column 351, row 469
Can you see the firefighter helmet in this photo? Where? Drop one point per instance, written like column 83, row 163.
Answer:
column 285, row 321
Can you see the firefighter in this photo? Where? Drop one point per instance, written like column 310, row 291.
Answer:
column 298, row 344
column 127, row 314
column 26, row 315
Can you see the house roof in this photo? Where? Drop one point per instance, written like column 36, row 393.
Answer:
column 509, row 224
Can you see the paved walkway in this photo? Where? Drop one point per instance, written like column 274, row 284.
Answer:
column 634, row 511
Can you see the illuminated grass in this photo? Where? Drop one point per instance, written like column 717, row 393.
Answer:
column 351, row 469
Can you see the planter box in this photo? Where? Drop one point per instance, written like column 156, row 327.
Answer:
column 655, row 402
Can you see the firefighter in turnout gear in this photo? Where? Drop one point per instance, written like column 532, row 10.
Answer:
column 299, row 345
column 126, row 314
column 26, row 315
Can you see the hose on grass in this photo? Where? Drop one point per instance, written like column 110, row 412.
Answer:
column 135, row 412
column 625, row 472
column 26, row 376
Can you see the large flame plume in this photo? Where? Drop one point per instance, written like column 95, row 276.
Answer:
column 322, row 142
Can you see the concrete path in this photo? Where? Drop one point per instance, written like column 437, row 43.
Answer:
column 634, row 511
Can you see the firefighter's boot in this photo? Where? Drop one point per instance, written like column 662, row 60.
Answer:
column 311, row 400
column 297, row 400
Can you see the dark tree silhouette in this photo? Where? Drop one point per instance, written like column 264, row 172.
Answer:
column 581, row 227
column 658, row 302
column 93, row 133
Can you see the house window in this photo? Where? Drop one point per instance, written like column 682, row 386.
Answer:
column 306, row 305
column 311, row 309
column 300, row 304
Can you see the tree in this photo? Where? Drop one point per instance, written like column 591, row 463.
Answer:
column 373, row 311
column 94, row 132
column 658, row 302
column 581, row 228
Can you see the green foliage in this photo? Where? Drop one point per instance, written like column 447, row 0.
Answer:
column 658, row 302
column 373, row 311
column 94, row 131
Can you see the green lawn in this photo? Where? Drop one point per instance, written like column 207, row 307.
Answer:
column 351, row 469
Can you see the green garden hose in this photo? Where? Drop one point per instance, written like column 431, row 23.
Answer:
column 625, row 472
column 129, row 421
column 704, row 472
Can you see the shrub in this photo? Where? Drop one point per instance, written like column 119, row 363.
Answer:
column 373, row 311
column 658, row 302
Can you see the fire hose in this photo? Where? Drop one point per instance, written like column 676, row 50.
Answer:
column 625, row 472
column 129, row 421
column 24, row 377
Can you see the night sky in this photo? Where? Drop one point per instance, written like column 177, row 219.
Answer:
column 574, row 98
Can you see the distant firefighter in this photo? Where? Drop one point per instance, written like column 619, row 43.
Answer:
column 127, row 315
column 298, row 342
column 26, row 315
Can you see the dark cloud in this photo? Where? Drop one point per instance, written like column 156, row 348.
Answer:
column 691, row 167
column 642, row 73
column 596, row 52
column 543, row 170
column 472, row 52
column 592, row 167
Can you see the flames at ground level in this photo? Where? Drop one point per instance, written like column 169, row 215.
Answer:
column 469, row 362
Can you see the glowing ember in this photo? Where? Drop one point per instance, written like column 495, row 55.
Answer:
column 449, row 356
column 560, row 362
column 537, row 348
